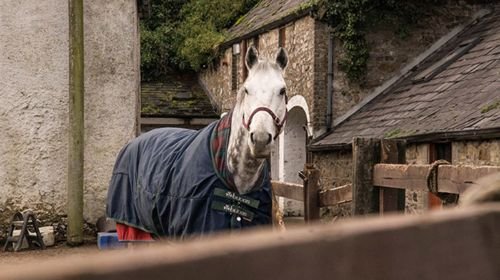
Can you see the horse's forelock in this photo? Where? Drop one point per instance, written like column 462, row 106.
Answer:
column 265, row 65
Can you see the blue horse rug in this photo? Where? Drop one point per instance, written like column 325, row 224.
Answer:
column 174, row 182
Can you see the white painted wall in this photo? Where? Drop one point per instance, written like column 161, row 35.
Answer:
column 34, row 101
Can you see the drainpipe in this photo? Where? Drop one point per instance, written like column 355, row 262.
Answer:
column 76, row 128
column 329, row 87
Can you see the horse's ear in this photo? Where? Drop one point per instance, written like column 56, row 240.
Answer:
column 252, row 57
column 282, row 58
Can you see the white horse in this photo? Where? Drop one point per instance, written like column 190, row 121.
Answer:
column 177, row 182
column 258, row 117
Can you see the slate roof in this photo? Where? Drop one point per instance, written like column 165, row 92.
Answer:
column 179, row 96
column 462, row 98
column 266, row 15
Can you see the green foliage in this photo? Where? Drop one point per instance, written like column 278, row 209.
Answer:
column 203, row 28
column 159, row 39
column 185, row 34
column 352, row 19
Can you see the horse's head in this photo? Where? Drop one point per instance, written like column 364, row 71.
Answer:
column 262, row 100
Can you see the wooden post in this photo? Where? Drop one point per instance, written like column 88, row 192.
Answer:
column 311, row 193
column 392, row 151
column 365, row 197
column 76, row 119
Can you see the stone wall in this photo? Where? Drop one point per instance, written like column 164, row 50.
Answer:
column 34, row 61
column 390, row 52
column 476, row 152
column 300, row 73
column 417, row 201
column 335, row 170
column 217, row 80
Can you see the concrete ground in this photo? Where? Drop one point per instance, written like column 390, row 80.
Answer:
column 18, row 258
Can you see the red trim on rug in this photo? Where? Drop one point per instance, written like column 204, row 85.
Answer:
column 128, row 233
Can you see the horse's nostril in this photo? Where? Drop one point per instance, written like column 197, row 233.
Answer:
column 251, row 138
column 269, row 138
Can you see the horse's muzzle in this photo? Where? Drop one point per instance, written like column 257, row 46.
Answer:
column 261, row 144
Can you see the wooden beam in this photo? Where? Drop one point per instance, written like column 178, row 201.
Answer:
column 334, row 196
column 401, row 176
column 390, row 199
column 456, row 179
column 451, row 178
column 311, row 193
column 389, row 248
column 288, row 190
column 365, row 153
column 76, row 111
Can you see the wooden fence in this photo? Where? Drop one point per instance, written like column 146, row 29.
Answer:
column 458, row 244
column 380, row 179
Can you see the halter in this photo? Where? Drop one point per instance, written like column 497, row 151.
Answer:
column 277, row 122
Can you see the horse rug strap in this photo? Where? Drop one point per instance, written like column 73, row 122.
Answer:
column 234, row 204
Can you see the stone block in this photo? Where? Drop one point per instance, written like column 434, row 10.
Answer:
column 47, row 236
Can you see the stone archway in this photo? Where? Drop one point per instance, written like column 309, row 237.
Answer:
column 289, row 155
column 294, row 155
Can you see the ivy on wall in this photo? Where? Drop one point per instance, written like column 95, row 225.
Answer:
column 352, row 19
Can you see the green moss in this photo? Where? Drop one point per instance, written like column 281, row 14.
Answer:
column 305, row 5
column 148, row 109
column 492, row 106
column 238, row 21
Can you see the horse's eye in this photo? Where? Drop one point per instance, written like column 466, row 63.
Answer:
column 246, row 91
column 283, row 91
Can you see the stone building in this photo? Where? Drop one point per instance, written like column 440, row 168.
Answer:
column 34, row 62
column 319, row 93
column 445, row 104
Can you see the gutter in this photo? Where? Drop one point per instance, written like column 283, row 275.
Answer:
column 329, row 87
column 330, row 147
column 459, row 135
column 431, row 137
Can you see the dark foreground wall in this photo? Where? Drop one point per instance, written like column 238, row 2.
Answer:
column 449, row 244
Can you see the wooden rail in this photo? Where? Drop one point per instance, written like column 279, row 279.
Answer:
column 308, row 193
column 451, row 178
column 328, row 197
column 457, row 244
column 288, row 190
column 334, row 196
